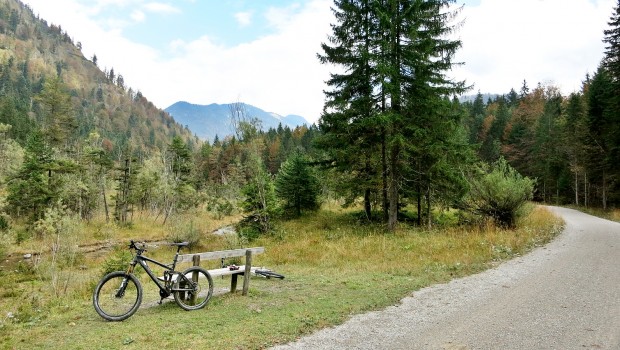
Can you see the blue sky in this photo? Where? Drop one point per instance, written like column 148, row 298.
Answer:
column 263, row 52
column 227, row 22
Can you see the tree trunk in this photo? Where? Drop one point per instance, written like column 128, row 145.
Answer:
column 428, row 207
column 367, row 206
column 604, row 191
column 419, row 221
column 384, row 178
column 576, row 188
column 585, row 189
column 393, row 189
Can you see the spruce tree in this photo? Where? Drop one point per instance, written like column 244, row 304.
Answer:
column 350, row 125
column 389, row 105
column 297, row 185
column 417, row 55
column 612, row 65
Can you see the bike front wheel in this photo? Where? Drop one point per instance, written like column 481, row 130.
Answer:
column 193, row 288
column 117, row 296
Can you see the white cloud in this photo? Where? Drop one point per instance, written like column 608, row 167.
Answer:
column 159, row 7
column 280, row 17
column 244, row 18
column 550, row 41
column 138, row 16
column 279, row 72
column 504, row 42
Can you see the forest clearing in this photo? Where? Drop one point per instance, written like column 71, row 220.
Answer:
column 333, row 269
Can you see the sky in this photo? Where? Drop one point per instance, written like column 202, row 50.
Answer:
column 263, row 52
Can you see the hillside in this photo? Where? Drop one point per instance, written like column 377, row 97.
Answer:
column 33, row 52
column 209, row 121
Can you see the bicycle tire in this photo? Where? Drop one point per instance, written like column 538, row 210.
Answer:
column 115, row 306
column 194, row 294
column 268, row 274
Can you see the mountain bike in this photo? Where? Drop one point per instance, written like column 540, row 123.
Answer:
column 119, row 294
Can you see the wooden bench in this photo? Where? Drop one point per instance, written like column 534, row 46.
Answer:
column 245, row 270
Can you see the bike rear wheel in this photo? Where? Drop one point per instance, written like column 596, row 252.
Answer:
column 268, row 274
column 193, row 288
column 117, row 296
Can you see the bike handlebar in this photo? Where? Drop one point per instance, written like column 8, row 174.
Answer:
column 132, row 245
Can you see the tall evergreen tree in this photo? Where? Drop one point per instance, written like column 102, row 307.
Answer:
column 351, row 130
column 59, row 121
column 390, row 102
column 418, row 53
column 612, row 65
column 612, row 49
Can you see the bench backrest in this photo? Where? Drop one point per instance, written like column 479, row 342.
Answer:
column 222, row 254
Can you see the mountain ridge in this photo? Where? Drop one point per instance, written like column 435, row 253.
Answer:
column 211, row 120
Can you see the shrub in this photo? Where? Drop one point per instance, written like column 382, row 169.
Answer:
column 117, row 261
column 499, row 193
column 260, row 207
column 184, row 231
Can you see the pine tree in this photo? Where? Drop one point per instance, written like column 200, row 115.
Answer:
column 612, row 65
column 417, row 55
column 33, row 187
column 59, row 121
column 297, row 185
column 390, row 102
column 612, row 50
column 350, row 124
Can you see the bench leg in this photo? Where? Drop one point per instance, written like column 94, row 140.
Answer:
column 233, row 282
column 248, row 270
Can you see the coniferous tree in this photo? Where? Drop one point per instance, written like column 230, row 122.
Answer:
column 350, row 124
column 612, row 50
column 59, row 121
column 297, row 185
column 390, row 102
column 612, row 65
column 603, row 128
column 417, row 55
column 32, row 189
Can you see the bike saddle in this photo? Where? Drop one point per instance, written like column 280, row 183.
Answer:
column 180, row 244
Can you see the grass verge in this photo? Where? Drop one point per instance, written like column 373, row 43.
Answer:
column 334, row 268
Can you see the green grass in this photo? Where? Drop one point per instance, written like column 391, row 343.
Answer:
column 335, row 267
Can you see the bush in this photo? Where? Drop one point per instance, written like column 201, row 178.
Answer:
column 184, row 231
column 117, row 261
column 499, row 193
column 4, row 223
column 260, row 207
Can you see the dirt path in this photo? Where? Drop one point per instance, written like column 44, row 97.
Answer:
column 565, row 295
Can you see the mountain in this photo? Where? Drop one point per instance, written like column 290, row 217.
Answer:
column 471, row 98
column 208, row 121
column 33, row 53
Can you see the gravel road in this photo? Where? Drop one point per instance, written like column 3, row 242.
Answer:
column 565, row 295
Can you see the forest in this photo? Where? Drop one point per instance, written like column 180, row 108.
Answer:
column 75, row 139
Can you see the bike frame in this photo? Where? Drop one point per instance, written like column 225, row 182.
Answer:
column 169, row 271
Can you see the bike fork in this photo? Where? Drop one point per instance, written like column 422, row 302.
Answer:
column 121, row 290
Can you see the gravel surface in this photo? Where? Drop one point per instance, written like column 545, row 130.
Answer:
column 565, row 295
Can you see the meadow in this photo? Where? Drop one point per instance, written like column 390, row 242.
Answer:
column 335, row 264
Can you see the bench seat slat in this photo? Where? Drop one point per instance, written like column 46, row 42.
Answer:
column 222, row 254
column 226, row 271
